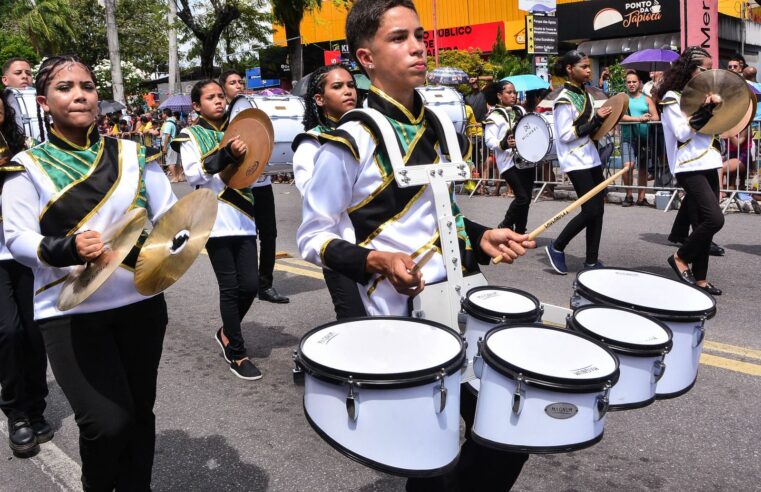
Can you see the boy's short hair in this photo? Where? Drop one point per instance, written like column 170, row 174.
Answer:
column 364, row 20
column 223, row 77
column 11, row 61
column 167, row 112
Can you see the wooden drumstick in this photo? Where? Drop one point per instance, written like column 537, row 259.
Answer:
column 570, row 208
column 423, row 260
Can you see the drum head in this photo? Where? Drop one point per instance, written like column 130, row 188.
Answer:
column 239, row 104
column 622, row 330
column 655, row 295
column 550, row 357
column 533, row 137
column 381, row 349
column 496, row 304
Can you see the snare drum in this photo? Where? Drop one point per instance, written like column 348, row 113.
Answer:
column 448, row 100
column 535, row 137
column 641, row 344
column 385, row 391
column 24, row 102
column 286, row 113
column 487, row 307
column 543, row 389
column 682, row 307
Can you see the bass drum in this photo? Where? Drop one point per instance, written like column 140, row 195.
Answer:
column 448, row 100
column 286, row 113
column 535, row 138
column 24, row 102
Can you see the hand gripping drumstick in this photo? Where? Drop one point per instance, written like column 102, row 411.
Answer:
column 423, row 260
column 570, row 208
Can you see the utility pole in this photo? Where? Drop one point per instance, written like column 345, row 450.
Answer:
column 117, row 83
column 174, row 68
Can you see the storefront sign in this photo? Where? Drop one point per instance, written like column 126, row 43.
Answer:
column 602, row 19
column 537, row 5
column 254, row 80
column 471, row 37
column 332, row 57
column 541, row 34
column 700, row 26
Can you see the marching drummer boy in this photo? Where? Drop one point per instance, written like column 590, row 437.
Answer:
column 393, row 225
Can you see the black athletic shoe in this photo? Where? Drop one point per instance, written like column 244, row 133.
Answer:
column 245, row 370
column 627, row 201
column 716, row 250
column 42, row 429
column 271, row 295
column 218, row 338
column 21, row 438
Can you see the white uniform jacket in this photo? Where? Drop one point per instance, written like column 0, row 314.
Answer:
column 686, row 149
column 496, row 125
column 575, row 121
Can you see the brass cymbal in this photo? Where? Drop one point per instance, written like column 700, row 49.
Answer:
column 746, row 120
column 175, row 242
column 255, row 130
column 619, row 103
column 734, row 99
column 118, row 240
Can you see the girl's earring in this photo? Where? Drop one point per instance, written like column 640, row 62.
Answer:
column 371, row 66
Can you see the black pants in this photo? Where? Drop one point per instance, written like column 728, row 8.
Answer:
column 266, row 228
column 702, row 200
column 345, row 295
column 106, row 364
column 480, row 468
column 233, row 259
column 23, row 365
column 522, row 183
column 591, row 214
column 680, row 229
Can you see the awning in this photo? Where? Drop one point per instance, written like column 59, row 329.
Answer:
column 629, row 45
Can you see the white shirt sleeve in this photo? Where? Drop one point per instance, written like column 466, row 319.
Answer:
column 160, row 195
column 564, row 117
column 21, row 222
column 491, row 135
column 303, row 163
column 327, row 196
column 191, row 163
column 678, row 123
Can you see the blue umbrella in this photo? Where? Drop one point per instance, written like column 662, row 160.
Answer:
column 179, row 102
column 447, row 76
column 527, row 82
column 650, row 60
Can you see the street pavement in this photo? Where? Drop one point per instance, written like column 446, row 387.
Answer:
column 217, row 432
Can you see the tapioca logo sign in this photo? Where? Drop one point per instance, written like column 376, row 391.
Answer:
column 634, row 14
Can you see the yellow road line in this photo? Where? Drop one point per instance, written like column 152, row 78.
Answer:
column 732, row 349
column 299, row 262
column 298, row 271
column 732, row 365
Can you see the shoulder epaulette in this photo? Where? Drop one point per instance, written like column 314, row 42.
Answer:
column 343, row 139
column 301, row 137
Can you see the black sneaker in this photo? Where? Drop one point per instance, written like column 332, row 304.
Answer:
column 245, row 369
column 627, row 202
column 218, row 338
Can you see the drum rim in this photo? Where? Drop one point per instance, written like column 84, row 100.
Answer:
column 489, row 316
column 661, row 314
column 619, row 346
column 543, row 381
column 517, row 448
column 387, row 381
column 549, row 144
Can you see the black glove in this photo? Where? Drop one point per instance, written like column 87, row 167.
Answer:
column 60, row 252
column 702, row 116
column 589, row 127
column 218, row 161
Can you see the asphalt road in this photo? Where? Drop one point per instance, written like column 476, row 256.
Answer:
column 217, row 432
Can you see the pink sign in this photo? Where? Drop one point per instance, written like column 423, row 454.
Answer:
column 700, row 26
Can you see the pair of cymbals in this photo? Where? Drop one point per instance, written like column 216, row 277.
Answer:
column 254, row 128
column 733, row 106
column 619, row 105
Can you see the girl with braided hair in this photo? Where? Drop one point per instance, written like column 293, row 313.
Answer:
column 105, row 351
column 694, row 159
column 331, row 93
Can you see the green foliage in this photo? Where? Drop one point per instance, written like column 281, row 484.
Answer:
column 12, row 46
column 617, row 79
column 469, row 62
column 505, row 63
column 45, row 23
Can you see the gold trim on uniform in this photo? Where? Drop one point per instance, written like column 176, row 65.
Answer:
column 324, row 247
column 395, row 218
column 219, row 197
column 698, row 157
column 399, row 106
column 430, row 244
column 50, row 285
column 72, row 144
column 384, row 184
column 342, row 140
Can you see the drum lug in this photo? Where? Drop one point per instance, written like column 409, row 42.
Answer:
column 659, row 368
column 352, row 402
column 575, row 301
column 699, row 334
column 602, row 403
column 478, row 361
column 440, row 394
column 540, row 314
column 519, row 396
column 298, row 372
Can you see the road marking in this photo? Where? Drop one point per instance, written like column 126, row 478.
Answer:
column 730, row 364
column 299, row 271
column 299, row 262
column 64, row 472
column 732, row 349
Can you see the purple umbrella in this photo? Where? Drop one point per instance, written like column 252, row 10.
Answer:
column 179, row 102
column 650, row 60
column 275, row 91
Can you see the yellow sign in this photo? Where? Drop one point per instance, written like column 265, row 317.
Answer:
column 515, row 35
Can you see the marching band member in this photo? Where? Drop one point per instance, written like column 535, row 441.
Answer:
column 232, row 243
column 233, row 84
column 694, row 159
column 23, row 364
column 353, row 182
column 499, row 136
column 331, row 93
column 104, row 352
column 575, row 122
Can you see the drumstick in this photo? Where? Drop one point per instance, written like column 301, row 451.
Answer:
column 570, row 208
column 423, row 260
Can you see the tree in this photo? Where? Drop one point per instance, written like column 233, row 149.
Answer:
column 45, row 23
column 131, row 76
column 113, row 51
column 13, row 46
column 289, row 14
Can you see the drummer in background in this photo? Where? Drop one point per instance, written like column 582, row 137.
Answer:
column 332, row 92
column 575, row 122
column 499, row 136
column 694, row 159
column 233, row 83
column 353, row 183
column 232, row 243
column 23, row 363
column 104, row 352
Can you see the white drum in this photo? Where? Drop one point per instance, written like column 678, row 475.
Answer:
column 385, row 391
column 535, row 137
column 641, row 344
column 448, row 100
column 287, row 115
column 682, row 307
column 487, row 307
column 543, row 389
column 24, row 103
